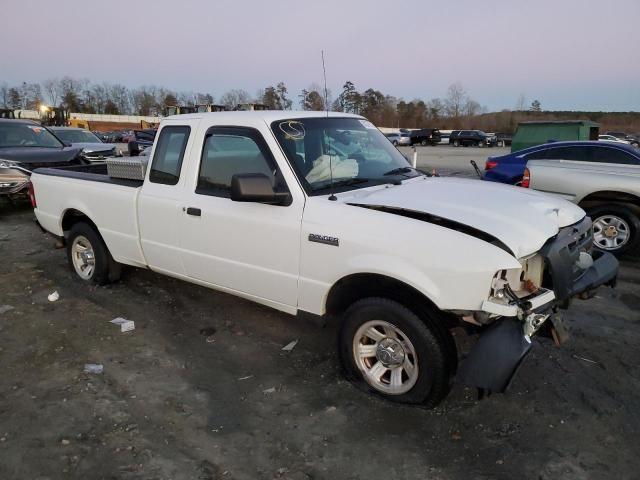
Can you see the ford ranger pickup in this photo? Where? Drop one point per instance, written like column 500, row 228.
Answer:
column 318, row 213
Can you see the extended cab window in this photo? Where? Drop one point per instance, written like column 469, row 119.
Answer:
column 167, row 158
column 230, row 151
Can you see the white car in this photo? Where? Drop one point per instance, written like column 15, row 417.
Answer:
column 401, row 139
column 611, row 138
column 318, row 214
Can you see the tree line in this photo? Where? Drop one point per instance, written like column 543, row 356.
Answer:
column 454, row 110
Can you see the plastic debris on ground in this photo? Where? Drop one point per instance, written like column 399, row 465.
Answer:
column 270, row 390
column 125, row 325
column 93, row 368
column 246, row 378
column 5, row 309
column 290, row 346
column 54, row 297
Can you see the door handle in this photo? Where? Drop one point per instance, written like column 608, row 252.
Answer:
column 196, row 212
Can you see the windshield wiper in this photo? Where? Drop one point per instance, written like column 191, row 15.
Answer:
column 399, row 170
column 343, row 183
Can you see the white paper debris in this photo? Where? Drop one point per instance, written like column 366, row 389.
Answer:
column 125, row 325
column 93, row 368
column 54, row 297
column 270, row 390
column 290, row 346
column 246, row 378
column 5, row 309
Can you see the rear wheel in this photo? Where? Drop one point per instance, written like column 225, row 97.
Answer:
column 616, row 229
column 387, row 349
column 89, row 257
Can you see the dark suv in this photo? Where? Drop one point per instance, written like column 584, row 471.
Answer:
column 425, row 136
column 475, row 138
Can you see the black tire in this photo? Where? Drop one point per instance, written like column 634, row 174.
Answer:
column 456, row 143
column 424, row 143
column 435, row 361
column 481, row 144
column 106, row 269
column 628, row 216
column 395, row 143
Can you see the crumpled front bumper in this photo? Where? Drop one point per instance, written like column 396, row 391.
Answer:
column 562, row 257
column 504, row 344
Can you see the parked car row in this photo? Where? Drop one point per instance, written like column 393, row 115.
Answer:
column 602, row 177
column 457, row 138
column 26, row 145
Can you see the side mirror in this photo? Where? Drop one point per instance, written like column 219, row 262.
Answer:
column 256, row 187
column 67, row 144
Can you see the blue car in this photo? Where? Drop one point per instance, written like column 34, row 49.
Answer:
column 510, row 168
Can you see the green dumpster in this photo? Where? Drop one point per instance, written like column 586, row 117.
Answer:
column 530, row 134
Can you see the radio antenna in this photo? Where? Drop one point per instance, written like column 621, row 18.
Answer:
column 332, row 197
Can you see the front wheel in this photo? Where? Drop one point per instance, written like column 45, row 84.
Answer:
column 424, row 143
column 387, row 349
column 616, row 229
column 89, row 257
column 456, row 143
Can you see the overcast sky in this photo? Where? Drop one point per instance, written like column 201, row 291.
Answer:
column 569, row 54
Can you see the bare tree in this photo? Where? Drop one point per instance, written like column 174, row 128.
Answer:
column 471, row 108
column 233, row 98
column 4, row 94
column 456, row 99
column 52, row 89
column 521, row 103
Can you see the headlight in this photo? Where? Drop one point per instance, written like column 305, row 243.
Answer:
column 8, row 164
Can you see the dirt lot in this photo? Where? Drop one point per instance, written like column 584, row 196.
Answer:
column 172, row 405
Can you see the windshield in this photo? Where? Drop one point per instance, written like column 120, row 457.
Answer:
column 77, row 136
column 26, row 135
column 351, row 150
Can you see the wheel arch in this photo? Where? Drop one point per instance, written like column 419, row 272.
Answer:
column 356, row 286
column 71, row 216
column 604, row 197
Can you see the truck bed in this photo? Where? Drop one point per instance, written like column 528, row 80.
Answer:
column 96, row 172
column 109, row 203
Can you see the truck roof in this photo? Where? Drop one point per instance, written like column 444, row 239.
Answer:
column 266, row 115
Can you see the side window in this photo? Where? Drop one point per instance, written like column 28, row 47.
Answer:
column 614, row 155
column 231, row 151
column 580, row 154
column 167, row 158
column 539, row 155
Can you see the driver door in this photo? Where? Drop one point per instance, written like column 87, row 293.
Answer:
column 244, row 247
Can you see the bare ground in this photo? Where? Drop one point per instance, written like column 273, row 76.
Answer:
column 171, row 405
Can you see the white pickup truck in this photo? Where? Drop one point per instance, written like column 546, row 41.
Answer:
column 318, row 213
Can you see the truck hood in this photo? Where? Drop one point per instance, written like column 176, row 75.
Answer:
column 523, row 220
column 32, row 157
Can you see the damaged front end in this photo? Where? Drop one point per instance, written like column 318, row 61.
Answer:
column 525, row 301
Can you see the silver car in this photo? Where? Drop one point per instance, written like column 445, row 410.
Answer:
column 93, row 148
column 399, row 139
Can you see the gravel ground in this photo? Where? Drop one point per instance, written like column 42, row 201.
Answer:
column 202, row 390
